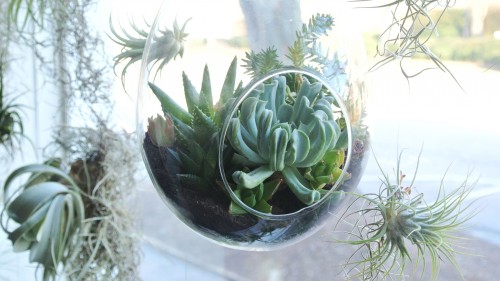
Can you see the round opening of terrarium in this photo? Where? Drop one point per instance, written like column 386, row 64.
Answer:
column 285, row 145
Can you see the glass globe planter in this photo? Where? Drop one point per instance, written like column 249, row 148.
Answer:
column 252, row 124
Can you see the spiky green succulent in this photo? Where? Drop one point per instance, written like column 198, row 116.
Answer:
column 196, row 130
column 394, row 219
column 276, row 136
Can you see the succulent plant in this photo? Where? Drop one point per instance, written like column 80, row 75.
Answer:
column 274, row 135
column 197, row 130
column 328, row 170
column 161, row 130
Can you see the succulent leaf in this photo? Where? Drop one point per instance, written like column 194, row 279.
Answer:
column 206, row 99
column 300, row 186
column 191, row 95
column 253, row 178
column 203, row 125
column 277, row 149
column 239, row 144
column 193, row 181
column 228, row 87
column 196, row 130
column 170, row 106
column 299, row 147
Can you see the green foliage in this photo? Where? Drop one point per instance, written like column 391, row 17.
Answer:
column 482, row 50
column 258, row 64
column 394, row 218
column 306, row 52
column 276, row 136
column 49, row 211
column 306, row 45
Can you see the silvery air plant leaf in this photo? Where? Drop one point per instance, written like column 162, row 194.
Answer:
column 275, row 136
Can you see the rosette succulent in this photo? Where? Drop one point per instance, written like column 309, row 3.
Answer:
column 278, row 131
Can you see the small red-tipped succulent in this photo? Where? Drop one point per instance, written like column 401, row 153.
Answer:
column 161, row 130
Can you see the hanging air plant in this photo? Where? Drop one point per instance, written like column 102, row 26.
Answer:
column 11, row 125
column 44, row 215
column 393, row 223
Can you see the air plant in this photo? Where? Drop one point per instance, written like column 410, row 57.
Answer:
column 43, row 215
column 411, row 27
column 75, row 220
column 11, row 125
column 102, row 164
column 168, row 44
column 395, row 218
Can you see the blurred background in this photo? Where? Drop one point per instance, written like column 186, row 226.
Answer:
column 452, row 124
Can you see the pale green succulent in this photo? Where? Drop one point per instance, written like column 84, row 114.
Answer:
column 276, row 135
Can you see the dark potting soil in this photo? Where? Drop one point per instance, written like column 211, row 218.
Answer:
column 210, row 210
column 204, row 209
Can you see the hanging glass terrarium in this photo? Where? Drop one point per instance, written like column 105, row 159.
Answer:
column 251, row 116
